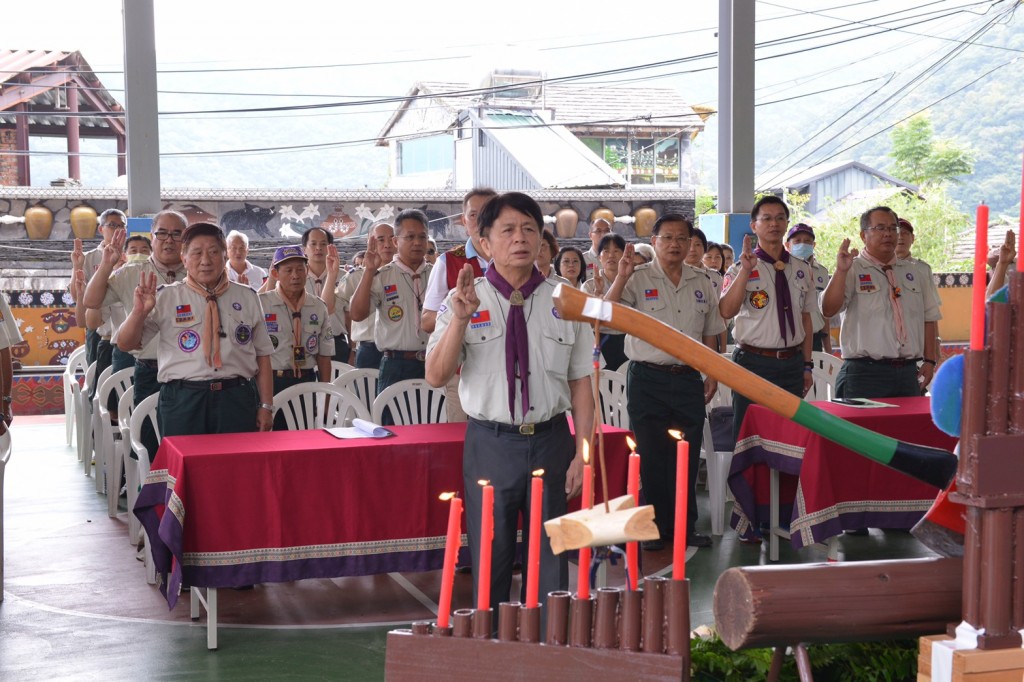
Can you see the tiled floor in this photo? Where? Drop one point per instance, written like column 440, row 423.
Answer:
column 77, row 605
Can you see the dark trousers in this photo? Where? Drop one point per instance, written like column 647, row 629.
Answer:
column 393, row 370
column 342, row 348
column 368, row 356
column 92, row 339
column 185, row 411
column 145, row 384
column 818, row 341
column 613, row 350
column 103, row 359
column 658, row 401
column 787, row 374
column 120, row 360
column 507, row 461
column 870, row 379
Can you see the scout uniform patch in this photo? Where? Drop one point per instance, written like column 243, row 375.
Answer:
column 243, row 334
column 271, row 321
column 481, row 318
column 395, row 313
column 183, row 313
column 864, row 280
column 759, row 299
column 650, row 294
column 390, row 292
column 188, row 340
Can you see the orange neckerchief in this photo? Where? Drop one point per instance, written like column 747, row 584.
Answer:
column 212, row 329
column 894, row 294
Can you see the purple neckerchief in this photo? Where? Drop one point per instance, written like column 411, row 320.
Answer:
column 517, row 344
column 784, row 304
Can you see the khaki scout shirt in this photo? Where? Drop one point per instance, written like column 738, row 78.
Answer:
column 176, row 325
column 92, row 262
column 691, row 307
column 363, row 330
column 394, row 297
column 317, row 331
column 591, row 263
column 560, row 352
column 820, row 277
column 9, row 334
column 868, row 328
column 757, row 322
column 121, row 290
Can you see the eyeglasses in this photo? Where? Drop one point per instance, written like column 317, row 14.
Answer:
column 163, row 236
column 772, row 219
column 113, row 226
column 884, row 229
column 677, row 240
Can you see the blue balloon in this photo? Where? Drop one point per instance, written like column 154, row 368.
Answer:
column 947, row 395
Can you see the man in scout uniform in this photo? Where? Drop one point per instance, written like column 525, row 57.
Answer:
column 890, row 314
column 445, row 274
column 771, row 296
column 800, row 243
column 110, row 221
column 592, row 256
column 523, row 368
column 9, row 336
column 298, row 325
column 661, row 392
column 109, row 288
column 212, row 343
column 368, row 356
column 396, row 294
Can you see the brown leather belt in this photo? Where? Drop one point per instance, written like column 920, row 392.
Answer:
column 889, row 362
column 420, row 355
column 668, row 369
column 217, row 385
column 303, row 373
column 777, row 353
column 521, row 429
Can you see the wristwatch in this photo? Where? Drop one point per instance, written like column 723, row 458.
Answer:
column 267, row 406
column 8, row 399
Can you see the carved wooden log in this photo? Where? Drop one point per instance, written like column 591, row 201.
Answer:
column 553, row 526
column 600, row 530
column 765, row 606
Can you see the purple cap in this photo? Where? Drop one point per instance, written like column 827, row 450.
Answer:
column 800, row 227
column 287, row 253
column 905, row 225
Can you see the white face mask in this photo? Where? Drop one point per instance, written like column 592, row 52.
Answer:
column 137, row 258
column 802, row 251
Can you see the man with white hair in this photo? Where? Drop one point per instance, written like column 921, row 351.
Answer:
column 598, row 229
column 239, row 268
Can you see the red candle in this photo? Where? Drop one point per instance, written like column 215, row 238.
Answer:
column 980, row 263
column 682, row 499
column 583, row 574
column 536, row 505
column 451, row 555
column 483, row 585
column 633, row 488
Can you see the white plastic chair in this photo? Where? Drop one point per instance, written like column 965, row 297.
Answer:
column 146, row 410
column 613, row 399
column 362, row 383
column 303, row 406
column 76, row 364
column 125, row 408
column 83, row 415
column 718, row 463
column 412, row 401
column 338, row 368
column 108, row 455
column 5, row 455
column 826, row 369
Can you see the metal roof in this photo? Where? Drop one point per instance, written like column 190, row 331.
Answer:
column 550, row 154
column 800, row 177
column 599, row 109
column 38, row 78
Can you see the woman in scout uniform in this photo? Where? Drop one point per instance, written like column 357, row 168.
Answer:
column 211, row 343
column 298, row 325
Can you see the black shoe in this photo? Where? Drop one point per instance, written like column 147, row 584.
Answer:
column 698, row 540
column 859, row 532
column 463, row 570
column 652, row 545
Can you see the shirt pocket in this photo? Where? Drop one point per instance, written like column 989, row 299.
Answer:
column 557, row 349
column 653, row 306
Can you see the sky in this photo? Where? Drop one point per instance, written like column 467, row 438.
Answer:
column 245, row 54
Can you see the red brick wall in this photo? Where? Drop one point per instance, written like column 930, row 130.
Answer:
column 8, row 162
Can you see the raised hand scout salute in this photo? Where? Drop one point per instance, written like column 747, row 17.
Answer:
column 212, row 343
column 771, row 296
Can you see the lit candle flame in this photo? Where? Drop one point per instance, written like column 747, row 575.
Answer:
column 632, row 445
column 676, row 433
column 483, row 481
column 444, row 497
column 538, row 472
column 586, row 451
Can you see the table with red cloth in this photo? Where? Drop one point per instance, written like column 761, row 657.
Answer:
column 824, row 488
column 246, row 508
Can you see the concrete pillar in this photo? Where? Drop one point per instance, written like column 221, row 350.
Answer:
column 71, row 125
column 140, row 101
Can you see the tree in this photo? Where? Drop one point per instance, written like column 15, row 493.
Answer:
column 921, row 159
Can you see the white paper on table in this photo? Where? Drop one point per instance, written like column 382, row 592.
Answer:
column 861, row 402
column 360, row 428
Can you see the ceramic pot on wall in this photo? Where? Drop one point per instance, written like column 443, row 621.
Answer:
column 38, row 222
column 83, row 221
column 602, row 212
column 645, row 219
column 566, row 220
